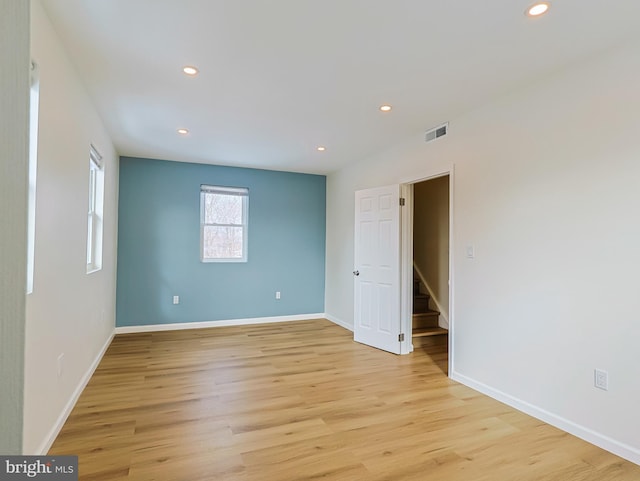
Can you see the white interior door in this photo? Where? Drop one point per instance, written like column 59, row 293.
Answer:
column 377, row 268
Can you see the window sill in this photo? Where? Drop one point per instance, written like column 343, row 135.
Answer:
column 216, row 261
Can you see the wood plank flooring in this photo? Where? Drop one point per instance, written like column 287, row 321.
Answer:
column 302, row 401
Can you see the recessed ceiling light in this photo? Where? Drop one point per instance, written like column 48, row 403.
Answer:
column 321, row 148
column 538, row 9
column 183, row 131
column 190, row 70
column 385, row 108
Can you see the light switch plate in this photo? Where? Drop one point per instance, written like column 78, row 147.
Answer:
column 601, row 379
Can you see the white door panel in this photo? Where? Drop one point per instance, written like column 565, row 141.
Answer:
column 377, row 268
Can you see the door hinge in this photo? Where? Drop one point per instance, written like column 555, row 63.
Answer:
column 401, row 201
column 401, row 337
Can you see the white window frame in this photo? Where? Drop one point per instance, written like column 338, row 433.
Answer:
column 95, row 211
column 235, row 191
column 34, row 110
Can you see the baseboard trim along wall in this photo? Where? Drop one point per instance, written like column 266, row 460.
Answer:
column 339, row 322
column 620, row 449
column 225, row 323
column 57, row 427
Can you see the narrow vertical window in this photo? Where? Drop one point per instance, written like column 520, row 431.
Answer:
column 95, row 213
column 34, row 108
column 223, row 223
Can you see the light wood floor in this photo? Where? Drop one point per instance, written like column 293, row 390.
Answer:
column 302, row 401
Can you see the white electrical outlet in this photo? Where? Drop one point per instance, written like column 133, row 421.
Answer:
column 601, row 379
column 277, row 294
column 60, row 359
column 176, row 299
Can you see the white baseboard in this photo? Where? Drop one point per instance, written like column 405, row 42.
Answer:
column 55, row 430
column 225, row 323
column 620, row 449
column 339, row 322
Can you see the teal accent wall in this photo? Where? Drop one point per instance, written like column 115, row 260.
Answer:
column 159, row 245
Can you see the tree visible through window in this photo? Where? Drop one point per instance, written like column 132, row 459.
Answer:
column 223, row 223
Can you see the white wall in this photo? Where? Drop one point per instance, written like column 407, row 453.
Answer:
column 14, row 156
column 69, row 311
column 547, row 189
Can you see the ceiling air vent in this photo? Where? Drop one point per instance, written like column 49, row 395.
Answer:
column 436, row 132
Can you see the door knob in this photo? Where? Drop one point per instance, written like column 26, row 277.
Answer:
column 356, row 273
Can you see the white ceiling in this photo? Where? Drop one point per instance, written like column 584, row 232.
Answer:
column 280, row 77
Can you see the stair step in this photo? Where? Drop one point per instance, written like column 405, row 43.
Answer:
column 420, row 304
column 426, row 313
column 426, row 319
column 429, row 331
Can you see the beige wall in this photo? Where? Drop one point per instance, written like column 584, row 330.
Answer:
column 14, row 165
column 431, row 239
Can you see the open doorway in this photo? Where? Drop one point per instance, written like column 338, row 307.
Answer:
column 430, row 269
column 386, row 284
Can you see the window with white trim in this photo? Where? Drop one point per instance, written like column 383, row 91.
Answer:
column 34, row 108
column 223, row 223
column 95, row 212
